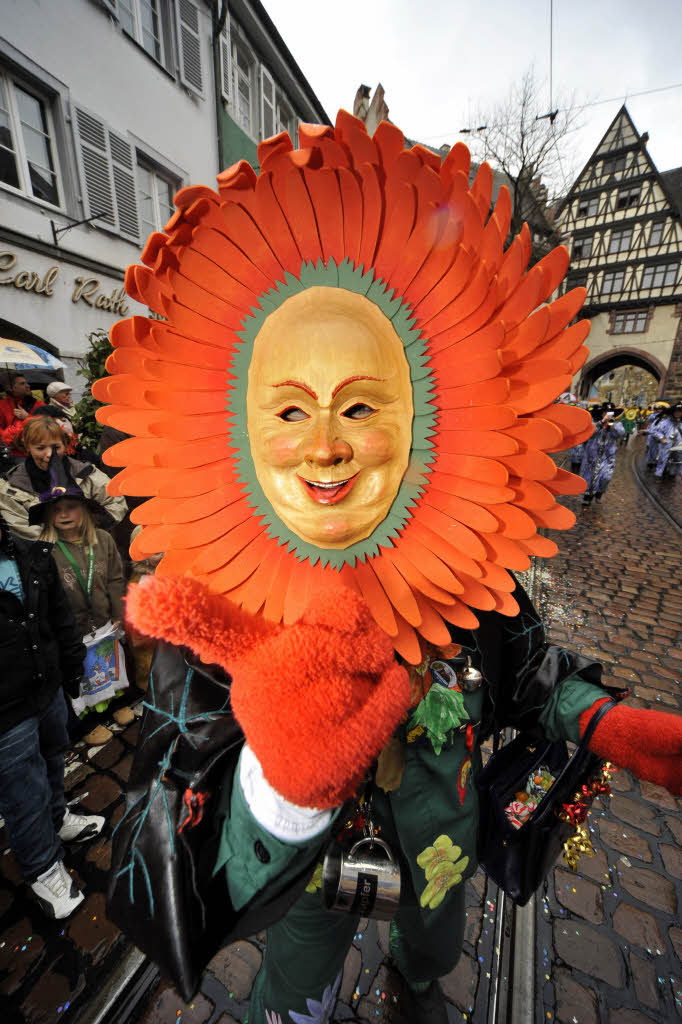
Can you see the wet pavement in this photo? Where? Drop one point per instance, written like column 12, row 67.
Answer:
column 608, row 938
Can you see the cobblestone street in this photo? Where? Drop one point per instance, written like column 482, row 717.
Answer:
column 609, row 939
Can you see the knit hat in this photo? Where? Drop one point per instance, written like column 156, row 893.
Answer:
column 56, row 388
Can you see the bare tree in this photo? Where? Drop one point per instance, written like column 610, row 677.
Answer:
column 529, row 144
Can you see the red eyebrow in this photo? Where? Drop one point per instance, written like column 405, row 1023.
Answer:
column 297, row 384
column 349, row 380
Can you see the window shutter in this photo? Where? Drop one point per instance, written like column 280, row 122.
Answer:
column 226, row 61
column 189, row 43
column 108, row 5
column 267, row 104
column 97, row 173
column 123, row 163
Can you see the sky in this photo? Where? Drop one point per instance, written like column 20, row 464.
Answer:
column 440, row 61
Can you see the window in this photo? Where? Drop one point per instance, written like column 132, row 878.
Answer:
column 267, row 105
column 633, row 322
column 155, row 191
column 243, row 73
column 612, row 281
column 660, row 276
column 286, row 121
column 656, row 232
column 108, row 174
column 140, row 19
column 582, row 247
column 620, row 240
column 627, row 197
column 27, row 160
column 588, row 207
column 613, row 164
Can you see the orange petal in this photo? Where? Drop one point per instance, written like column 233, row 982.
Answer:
column 563, row 310
column 192, row 509
column 486, row 443
column 526, row 398
column 323, row 188
column 187, row 403
column 397, row 589
column 525, row 299
column 452, row 557
column 475, row 594
column 459, row 537
column 530, row 494
column 514, row 522
column 566, row 483
column 190, row 483
column 374, row 594
column 490, row 392
column 505, row 604
column 506, row 552
column 176, row 563
column 197, row 453
column 458, row 614
column 557, row 518
column 222, row 251
column 425, row 562
column 535, row 432
column 138, row 482
column 461, row 509
column 401, row 203
column 351, row 200
column 372, row 211
column 406, row 642
column 542, row 547
column 211, row 527
column 487, row 417
column 242, row 565
column 192, row 428
column 497, row 578
column 487, row 471
column 136, row 451
column 431, row 627
column 300, row 592
column 473, row 490
column 258, row 586
column 533, row 464
column 297, row 207
column 278, row 586
column 416, row 579
column 221, row 551
column 151, row 512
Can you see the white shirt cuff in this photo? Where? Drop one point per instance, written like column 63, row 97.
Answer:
column 282, row 819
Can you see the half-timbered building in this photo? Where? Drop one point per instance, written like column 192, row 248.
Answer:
column 621, row 221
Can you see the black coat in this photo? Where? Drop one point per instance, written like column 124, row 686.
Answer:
column 40, row 646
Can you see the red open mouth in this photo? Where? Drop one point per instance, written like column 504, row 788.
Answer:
column 328, row 493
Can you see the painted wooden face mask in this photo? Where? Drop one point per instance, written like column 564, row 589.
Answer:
column 354, row 377
column 330, row 437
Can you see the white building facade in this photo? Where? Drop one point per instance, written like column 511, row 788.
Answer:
column 107, row 107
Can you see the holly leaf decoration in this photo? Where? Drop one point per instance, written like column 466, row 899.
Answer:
column 441, row 711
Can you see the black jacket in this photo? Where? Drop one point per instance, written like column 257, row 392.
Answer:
column 40, row 646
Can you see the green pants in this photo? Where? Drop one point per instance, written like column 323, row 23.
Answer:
column 303, row 963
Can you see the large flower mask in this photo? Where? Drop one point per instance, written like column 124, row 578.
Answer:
column 354, row 378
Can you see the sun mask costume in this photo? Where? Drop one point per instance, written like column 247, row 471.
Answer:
column 345, row 429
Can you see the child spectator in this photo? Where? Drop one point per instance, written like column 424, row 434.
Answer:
column 41, row 653
column 23, row 485
column 87, row 559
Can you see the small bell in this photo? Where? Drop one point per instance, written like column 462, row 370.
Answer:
column 470, row 679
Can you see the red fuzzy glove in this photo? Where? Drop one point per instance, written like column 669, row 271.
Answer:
column 317, row 701
column 648, row 743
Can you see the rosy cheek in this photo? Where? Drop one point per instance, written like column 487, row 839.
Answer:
column 281, row 450
column 374, row 447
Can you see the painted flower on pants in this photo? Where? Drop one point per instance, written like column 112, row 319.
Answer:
column 443, row 866
column 319, row 1012
column 315, row 882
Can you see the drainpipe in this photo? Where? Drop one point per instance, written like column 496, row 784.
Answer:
column 219, row 11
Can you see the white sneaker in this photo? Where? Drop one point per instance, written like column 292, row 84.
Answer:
column 79, row 828
column 56, row 891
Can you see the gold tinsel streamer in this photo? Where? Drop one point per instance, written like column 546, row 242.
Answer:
column 575, row 813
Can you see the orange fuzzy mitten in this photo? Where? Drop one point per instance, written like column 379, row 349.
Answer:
column 317, row 700
column 648, row 743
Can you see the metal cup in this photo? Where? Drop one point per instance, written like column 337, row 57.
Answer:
column 365, row 880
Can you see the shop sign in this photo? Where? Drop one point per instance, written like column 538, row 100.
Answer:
column 86, row 289
column 29, row 280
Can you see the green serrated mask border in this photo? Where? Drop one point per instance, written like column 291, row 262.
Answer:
column 354, row 279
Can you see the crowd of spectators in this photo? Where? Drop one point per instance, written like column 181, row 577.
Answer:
column 64, row 569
